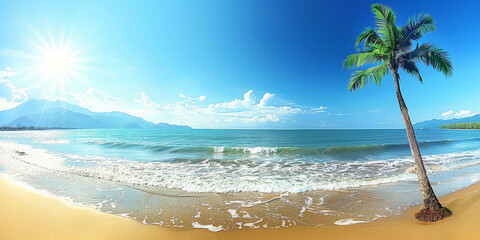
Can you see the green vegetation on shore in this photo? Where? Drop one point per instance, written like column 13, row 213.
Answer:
column 470, row 125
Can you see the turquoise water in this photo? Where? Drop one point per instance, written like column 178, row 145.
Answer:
column 245, row 166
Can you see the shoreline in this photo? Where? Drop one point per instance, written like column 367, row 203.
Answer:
column 27, row 214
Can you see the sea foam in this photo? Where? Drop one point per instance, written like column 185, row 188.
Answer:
column 210, row 227
column 270, row 174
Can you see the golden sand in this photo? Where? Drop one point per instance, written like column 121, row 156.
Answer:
column 30, row 215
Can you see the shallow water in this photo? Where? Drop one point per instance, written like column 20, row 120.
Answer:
column 240, row 178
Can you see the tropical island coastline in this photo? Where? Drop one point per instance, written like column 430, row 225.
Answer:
column 228, row 120
column 469, row 125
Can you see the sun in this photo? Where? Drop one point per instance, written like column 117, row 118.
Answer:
column 60, row 61
column 58, row 64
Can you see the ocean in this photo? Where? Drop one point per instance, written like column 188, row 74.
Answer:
column 235, row 179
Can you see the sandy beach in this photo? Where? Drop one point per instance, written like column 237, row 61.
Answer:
column 239, row 120
column 30, row 215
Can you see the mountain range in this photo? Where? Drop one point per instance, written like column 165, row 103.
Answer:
column 60, row 114
column 436, row 123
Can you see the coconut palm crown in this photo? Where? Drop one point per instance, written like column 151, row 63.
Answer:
column 391, row 47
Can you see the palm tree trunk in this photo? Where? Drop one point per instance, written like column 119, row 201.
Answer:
column 430, row 201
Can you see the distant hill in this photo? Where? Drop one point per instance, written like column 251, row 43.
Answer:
column 60, row 114
column 436, row 123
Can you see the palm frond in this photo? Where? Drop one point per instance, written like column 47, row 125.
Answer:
column 384, row 15
column 391, row 46
column 361, row 77
column 411, row 68
column 385, row 21
column 368, row 36
column 415, row 29
column 361, row 59
column 431, row 55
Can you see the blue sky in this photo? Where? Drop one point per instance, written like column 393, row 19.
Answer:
column 209, row 64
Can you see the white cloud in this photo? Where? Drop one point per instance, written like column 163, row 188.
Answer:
column 145, row 101
column 462, row 114
column 247, row 102
column 245, row 112
column 447, row 114
column 5, row 104
column 95, row 100
column 201, row 98
column 266, row 97
column 8, row 72
column 263, row 119
column 320, row 109
column 11, row 95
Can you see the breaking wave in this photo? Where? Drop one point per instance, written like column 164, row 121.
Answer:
column 265, row 150
column 268, row 174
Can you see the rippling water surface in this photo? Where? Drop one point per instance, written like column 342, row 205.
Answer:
column 232, row 179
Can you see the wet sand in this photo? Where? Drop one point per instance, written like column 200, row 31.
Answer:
column 30, row 215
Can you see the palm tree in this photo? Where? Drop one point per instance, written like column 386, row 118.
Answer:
column 391, row 47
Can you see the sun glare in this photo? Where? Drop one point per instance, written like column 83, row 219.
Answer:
column 58, row 64
column 60, row 61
